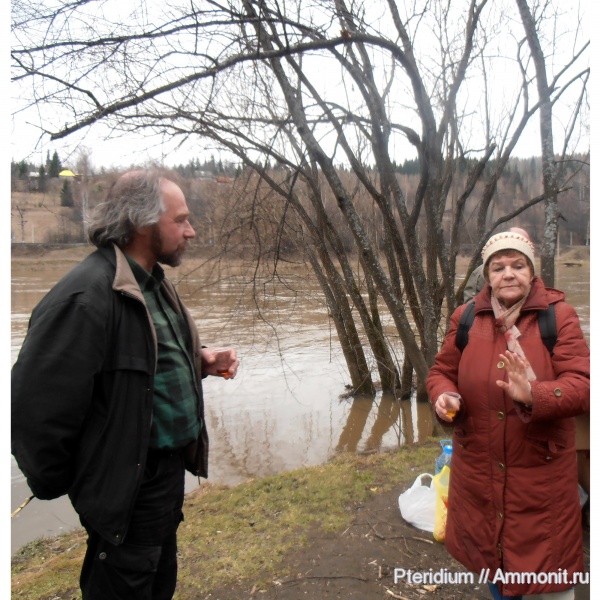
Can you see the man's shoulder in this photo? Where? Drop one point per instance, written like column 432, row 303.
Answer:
column 475, row 284
column 95, row 267
column 86, row 279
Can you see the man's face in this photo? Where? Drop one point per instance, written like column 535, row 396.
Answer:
column 171, row 232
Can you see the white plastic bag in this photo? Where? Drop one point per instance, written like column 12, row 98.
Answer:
column 417, row 504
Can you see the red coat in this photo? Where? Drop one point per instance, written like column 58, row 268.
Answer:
column 513, row 500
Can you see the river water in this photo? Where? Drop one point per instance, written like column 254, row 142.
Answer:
column 286, row 407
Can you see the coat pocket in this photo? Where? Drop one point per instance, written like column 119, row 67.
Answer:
column 463, row 434
column 129, row 557
column 548, row 441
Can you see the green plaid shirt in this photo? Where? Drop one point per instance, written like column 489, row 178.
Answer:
column 175, row 420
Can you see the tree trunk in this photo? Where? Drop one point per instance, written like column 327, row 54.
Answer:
column 548, row 253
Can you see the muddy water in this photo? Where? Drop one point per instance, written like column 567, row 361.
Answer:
column 285, row 409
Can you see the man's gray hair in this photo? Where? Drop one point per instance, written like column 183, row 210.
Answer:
column 134, row 201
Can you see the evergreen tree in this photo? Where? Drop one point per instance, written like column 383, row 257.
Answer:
column 516, row 179
column 23, row 169
column 43, row 183
column 66, row 194
column 55, row 166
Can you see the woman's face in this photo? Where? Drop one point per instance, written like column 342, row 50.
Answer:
column 510, row 277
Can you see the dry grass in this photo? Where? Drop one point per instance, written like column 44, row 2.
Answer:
column 241, row 533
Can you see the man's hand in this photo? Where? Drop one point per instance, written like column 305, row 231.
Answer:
column 220, row 362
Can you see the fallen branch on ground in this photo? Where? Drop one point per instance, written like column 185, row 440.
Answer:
column 302, row 578
column 389, row 592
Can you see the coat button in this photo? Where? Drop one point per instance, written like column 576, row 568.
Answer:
column 500, row 516
column 500, row 415
column 102, row 556
column 501, row 466
column 558, row 392
column 500, row 364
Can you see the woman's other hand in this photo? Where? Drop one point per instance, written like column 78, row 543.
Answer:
column 517, row 386
column 447, row 405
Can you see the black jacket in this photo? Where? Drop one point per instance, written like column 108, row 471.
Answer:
column 82, row 392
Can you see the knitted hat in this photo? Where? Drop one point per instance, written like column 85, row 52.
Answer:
column 508, row 240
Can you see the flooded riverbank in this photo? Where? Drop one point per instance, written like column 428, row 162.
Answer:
column 286, row 408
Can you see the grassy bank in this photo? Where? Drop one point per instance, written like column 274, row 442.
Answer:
column 240, row 534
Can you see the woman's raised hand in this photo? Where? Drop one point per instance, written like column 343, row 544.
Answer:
column 517, row 386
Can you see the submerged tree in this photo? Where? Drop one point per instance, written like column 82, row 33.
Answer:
column 320, row 102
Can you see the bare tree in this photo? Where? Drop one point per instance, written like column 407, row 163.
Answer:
column 320, row 102
column 22, row 220
column 545, row 90
column 84, row 167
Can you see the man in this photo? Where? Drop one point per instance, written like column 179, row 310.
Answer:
column 107, row 400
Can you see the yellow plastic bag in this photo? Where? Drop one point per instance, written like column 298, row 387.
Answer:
column 441, row 482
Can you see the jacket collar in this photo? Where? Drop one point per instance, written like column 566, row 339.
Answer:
column 124, row 280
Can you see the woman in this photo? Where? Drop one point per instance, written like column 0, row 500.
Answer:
column 513, row 503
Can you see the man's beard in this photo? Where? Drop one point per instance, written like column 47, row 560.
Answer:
column 173, row 259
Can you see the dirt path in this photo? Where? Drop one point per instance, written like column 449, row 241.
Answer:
column 359, row 563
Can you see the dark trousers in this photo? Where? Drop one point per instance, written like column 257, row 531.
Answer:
column 144, row 566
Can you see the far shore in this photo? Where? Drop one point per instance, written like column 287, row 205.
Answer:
column 26, row 253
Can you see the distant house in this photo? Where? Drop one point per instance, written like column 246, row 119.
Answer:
column 33, row 182
column 224, row 180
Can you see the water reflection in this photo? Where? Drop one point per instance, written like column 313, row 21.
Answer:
column 284, row 409
column 384, row 421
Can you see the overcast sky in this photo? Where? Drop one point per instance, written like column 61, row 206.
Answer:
column 107, row 151
column 130, row 149
column 25, row 141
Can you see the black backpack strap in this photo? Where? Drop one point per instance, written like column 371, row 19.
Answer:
column 547, row 325
column 466, row 320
